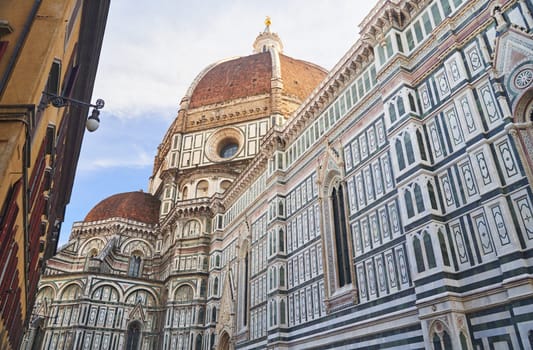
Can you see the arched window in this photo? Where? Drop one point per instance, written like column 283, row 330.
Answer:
column 215, row 286
column 281, row 240
column 409, row 204
column 202, row 189
column 202, row 288
column 408, row 148
column 418, row 255
column 133, row 337
column 105, row 293
column 72, row 292
column 224, row 185
column 392, row 113
column 191, row 228
column 412, row 104
column 282, row 276
column 341, row 236
column 212, row 342
column 429, row 251
column 214, row 314
column 401, row 106
column 443, row 249
column 282, row 312
column 399, row 154
column 442, row 342
column 134, row 269
column 141, row 296
column 198, row 345
column 184, row 294
column 39, row 335
column 421, row 147
column 432, row 199
column 464, row 343
column 201, row 315
column 436, row 342
column 185, row 193
column 92, row 254
column 418, row 198
column 275, row 313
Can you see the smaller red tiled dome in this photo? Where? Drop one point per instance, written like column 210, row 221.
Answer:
column 137, row 206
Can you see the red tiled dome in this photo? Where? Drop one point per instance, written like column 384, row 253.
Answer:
column 251, row 76
column 137, row 206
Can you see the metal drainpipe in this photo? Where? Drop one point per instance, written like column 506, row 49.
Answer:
column 18, row 46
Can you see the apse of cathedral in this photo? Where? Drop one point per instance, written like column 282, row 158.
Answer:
column 386, row 204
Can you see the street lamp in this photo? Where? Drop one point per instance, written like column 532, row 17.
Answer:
column 93, row 121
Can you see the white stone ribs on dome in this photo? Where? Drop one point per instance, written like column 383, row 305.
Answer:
column 276, row 64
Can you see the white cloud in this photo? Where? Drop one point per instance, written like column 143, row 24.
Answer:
column 136, row 160
column 153, row 50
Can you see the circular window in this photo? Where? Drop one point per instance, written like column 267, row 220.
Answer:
column 229, row 150
column 224, row 144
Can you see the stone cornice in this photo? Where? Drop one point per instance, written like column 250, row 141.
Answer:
column 109, row 227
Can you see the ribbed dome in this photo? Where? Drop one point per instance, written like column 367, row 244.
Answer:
column 251, row 76
column 137, row 206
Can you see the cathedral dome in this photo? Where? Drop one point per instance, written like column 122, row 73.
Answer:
column 239, row 89
column 137, row 206
column 252, row 76
column 229, row 107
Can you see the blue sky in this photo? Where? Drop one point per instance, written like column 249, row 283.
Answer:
column 152, row 52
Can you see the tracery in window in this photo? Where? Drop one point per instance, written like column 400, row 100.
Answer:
column 191, row 228
column 442, row 341
column 134, row 268
column 184, row 294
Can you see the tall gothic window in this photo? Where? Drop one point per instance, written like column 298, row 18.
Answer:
column 198, row 345
column 341, row 236
column 133, row 338
column 418, row 199
column 134, row 269
column 418, row 255
column 443, row 249
column 245, row 305
column 429, row 251
column 442, row 341
column 409, row 148
column 392, row 113
column 421, row 145
column 399, row 154
column 400, row 105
